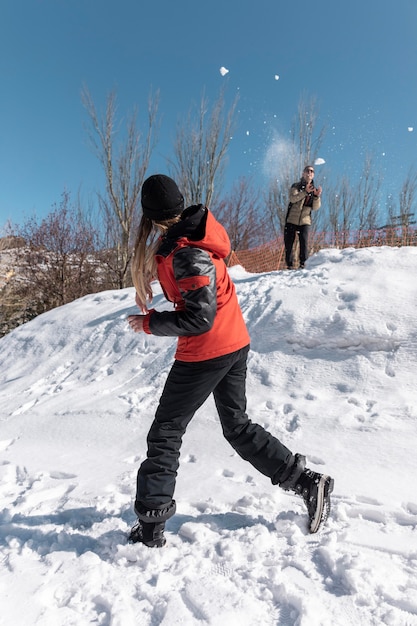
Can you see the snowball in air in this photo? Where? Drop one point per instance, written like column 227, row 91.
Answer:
column 276, row 77
column 319, row 161
column 410, row 129
column 223, row 71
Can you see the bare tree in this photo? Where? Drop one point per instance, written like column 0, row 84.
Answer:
column 240, row 214
column 368, row 196
column 287, row 159
column 400, row 219
column 391, row 210
column 340, row 200
column 408, row 197
column 276, row 203
column 200, row 150
column 124, row 165
column 307, row 137
column 350, row 205
column 57, row 264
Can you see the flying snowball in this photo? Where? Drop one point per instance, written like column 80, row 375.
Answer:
column 276, row 77
column 223, row 71
column 410, row 129
column 319, row 161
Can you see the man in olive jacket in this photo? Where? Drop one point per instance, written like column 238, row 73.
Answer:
column 304, row 198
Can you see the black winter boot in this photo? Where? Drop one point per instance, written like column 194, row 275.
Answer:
column 152, row 535
column 315, row 489
column 149, row 529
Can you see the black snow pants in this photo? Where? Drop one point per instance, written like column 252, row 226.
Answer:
column 289, row 237
column 187, row 387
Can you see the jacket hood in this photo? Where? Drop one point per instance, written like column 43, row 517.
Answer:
column 197, row 227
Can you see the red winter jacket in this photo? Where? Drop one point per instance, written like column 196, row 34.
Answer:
column 206, row 318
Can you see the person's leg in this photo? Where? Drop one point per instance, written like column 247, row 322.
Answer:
column 187, row 387
column 251, row 441
column 266, row 453
column 303, row 238
column 289, row 237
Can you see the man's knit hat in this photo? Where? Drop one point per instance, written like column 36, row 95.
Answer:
column 161, row 198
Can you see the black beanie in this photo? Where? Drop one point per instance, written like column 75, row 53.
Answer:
column 161, row 198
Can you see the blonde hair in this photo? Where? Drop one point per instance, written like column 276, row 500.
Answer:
column 143, row 267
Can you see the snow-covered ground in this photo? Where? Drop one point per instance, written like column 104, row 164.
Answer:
column 332, row 372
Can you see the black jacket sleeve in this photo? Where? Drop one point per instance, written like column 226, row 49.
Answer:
column 199, row 295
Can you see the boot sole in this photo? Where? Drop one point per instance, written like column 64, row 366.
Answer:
column 324, row 489
column 160, row 543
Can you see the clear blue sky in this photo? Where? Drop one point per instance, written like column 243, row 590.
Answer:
column 357, row 58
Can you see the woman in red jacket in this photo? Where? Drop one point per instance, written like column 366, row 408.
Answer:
column 213, row 344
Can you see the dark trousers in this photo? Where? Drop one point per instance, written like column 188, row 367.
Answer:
column 187, row 387
column 289, row 237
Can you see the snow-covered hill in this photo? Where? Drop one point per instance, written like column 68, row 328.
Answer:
column 331, row 372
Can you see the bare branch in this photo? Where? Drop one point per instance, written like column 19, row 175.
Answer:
column 125, row 165
column 200, row 151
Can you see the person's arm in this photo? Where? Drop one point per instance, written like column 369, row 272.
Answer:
column 297, row 193
column 316, row 198
column 195, row 275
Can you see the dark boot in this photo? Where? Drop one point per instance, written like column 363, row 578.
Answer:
column 152, row 535
column 149, row 529
column 314, row 488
